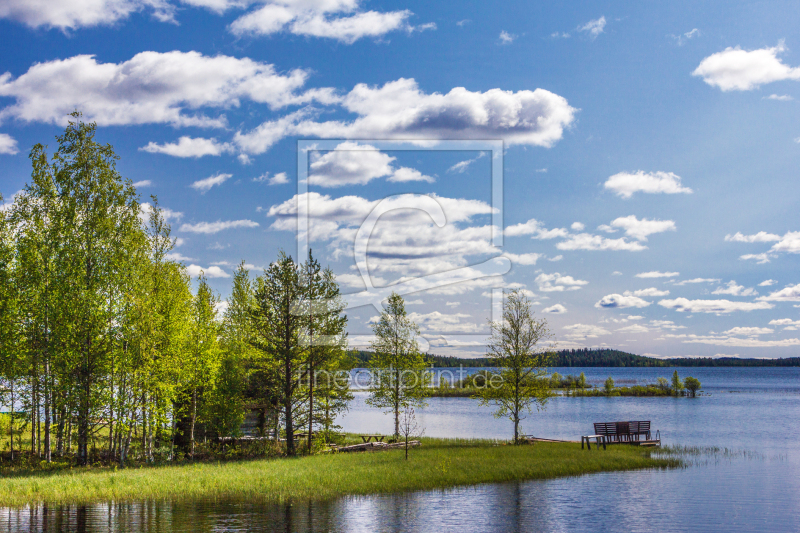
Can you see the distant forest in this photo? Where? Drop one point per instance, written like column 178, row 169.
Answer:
column 604, row 357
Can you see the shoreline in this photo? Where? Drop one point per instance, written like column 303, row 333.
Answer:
column 437, row 464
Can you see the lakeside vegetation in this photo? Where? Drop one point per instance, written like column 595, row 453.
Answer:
column 437, row 464
column 575, row 386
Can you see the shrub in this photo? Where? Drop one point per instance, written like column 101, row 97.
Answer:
column 609, row 385
column 692, row 385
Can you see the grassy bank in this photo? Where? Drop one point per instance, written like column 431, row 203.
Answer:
column 436, row 464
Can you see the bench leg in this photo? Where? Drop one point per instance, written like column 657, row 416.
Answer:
column 582, row 437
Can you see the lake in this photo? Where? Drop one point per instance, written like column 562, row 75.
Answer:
column 751, row 484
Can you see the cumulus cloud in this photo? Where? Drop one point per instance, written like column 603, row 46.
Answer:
column 536, row 229
column 357, row 164
column 779, row 97
column 734, row 289
column 145, row 209
column 399, row 109
column 620, row 301
column 735, row 69
column 278, row 179
column 761, row 236
column 784, row 322
column 189, row 147
column 634, row 328
column 578, row 332
column 404, row 241
column 73, row 14
column 625, row 184
column 556, row 309
column 210, row 272
column 641, row 229
column 507, row 38
column 748, row 331
column 750, row 342
column 150, row 88
column 341, row 20
column 657, row 274
column 712, row 306
column 759, row 258
column 216, row 227
column 556, row 282
column 437, row 322
column 767, row 283
column 205, row 185
column 587, row 241
column 594, row 27
column 523, row 259
column 790, row 293
column 8, row 144
column 650, row 291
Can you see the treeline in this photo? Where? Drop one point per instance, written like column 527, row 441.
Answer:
column 588, row 357
column 105, row 347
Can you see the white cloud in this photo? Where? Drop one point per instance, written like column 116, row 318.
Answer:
column 437, row 322
column 767, row 283
column 634, row 328
column 506, row 38
column 587, row 241
column 204, row 185
column 651, row 291
column 404, row 241
column 594, row 27
column 735, row 69
column 143, row 183
column 789, row 243
column 399, row 109
column 556, row 282
column 697, row 280
column 556, row 309
column 619, row 301
column 578, row 226
column 189, row 147
column 657, row 274
column 759, row 258
column 761, row 236
column 177, row 257
column 536, row 229
column 462, row 166
column 216, row 227
column 779, row 97
column 625, row 184
column 790, row 293
column 73, row 14
column 357, row 164
column 749, row 342
column 640, row 229
column 584, row 331
column 523, row 259
column 748, row 331
column 167, row 213
column 784, row 322
column 210, row 272
column 8, row 144
column 150, row 88
column 665, row 324
column 279, row 179
column 334, row 19
column 735, row 290
column 681, row 39
column 712, row 306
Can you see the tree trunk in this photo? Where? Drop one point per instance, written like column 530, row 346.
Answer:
column 11, row 429
column 397, row 403
column 310, row 406
column 194, row 417
column 47, row 453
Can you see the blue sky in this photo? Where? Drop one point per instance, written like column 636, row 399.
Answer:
column 650, row 161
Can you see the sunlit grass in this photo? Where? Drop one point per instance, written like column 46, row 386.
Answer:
column 438, row 463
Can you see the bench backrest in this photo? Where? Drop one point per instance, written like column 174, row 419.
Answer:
column 621, row 428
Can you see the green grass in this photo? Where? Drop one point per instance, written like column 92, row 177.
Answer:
column 437, row 464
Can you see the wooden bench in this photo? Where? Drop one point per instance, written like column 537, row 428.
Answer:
column 367, row 438
column 623, row 431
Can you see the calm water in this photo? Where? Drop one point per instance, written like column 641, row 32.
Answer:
column 752, row 412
